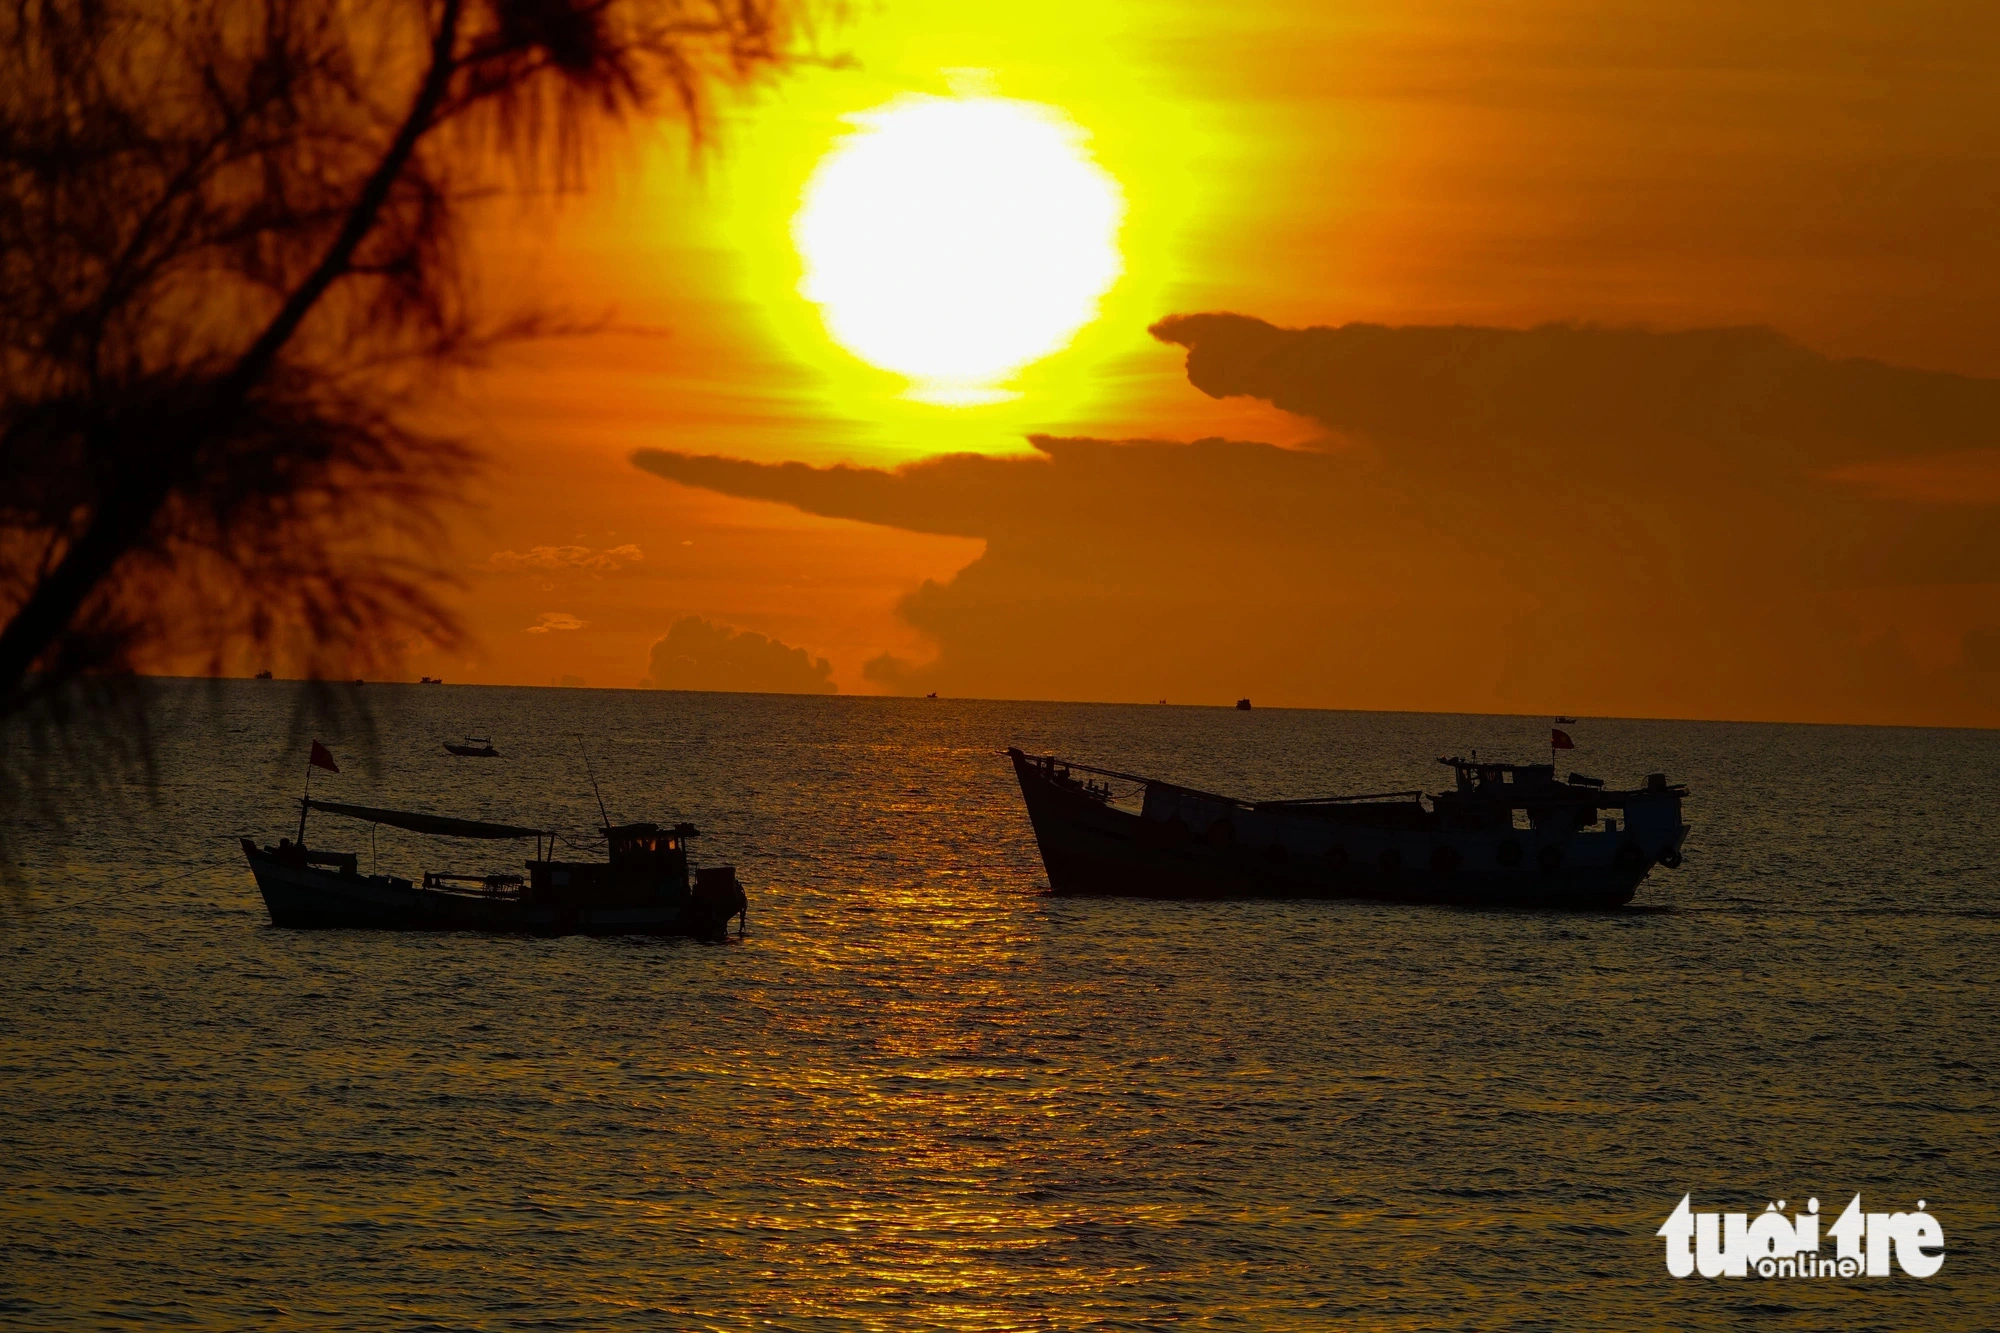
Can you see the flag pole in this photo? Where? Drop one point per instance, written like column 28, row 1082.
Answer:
column 303, row 807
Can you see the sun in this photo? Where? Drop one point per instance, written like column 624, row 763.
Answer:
column 955, row 240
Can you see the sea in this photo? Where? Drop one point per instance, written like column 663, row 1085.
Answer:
column 920, row 1092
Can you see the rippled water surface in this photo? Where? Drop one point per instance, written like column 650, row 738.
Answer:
column 923, row 1094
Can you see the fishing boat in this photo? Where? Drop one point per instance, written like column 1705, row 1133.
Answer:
column 475, row 747
column 642, row 886
column 1505, row 835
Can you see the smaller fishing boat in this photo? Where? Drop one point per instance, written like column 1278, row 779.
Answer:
column 641, row 887
column 264, row 674
column 1242, row 705
column 475, row 747
column 431, row 680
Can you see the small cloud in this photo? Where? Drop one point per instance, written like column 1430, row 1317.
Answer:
column 894, row 673
column 1966, row 477
column 554, row 559
column 697, row 654
column 552, row 620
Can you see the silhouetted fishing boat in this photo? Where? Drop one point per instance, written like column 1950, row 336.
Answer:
column 1507, row 835
column 641, row 888
column 475, row 747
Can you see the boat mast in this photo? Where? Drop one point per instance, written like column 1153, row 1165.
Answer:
column 305, row 803
column 601, row 812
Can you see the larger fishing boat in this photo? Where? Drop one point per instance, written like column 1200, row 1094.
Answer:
column 1506, row 835
column 642, row 886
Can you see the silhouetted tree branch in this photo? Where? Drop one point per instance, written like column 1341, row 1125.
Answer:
column 230, row 254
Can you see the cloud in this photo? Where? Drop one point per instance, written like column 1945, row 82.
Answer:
column 1968, row 477
column 1508, row 520
column 555, row 559
column 1738, row 444
column 556, row 620
column 697, row 654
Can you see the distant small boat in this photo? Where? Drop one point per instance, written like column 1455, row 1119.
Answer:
column 1565, row 721
column 264, row 674
column 931, row 695
column 475, row 747
column 431, row 680
column 1243, row 705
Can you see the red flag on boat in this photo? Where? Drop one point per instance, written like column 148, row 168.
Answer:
column 1559, row 739
column 323, row 758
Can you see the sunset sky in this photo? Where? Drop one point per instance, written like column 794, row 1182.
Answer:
column 1755, row 475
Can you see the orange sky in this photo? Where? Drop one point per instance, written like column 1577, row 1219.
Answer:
column 1825, row 170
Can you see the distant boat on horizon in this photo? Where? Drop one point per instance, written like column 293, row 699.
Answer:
column 475, row 747
column 1507, row 835
column 431, row 680
column 265, row 674
column 1242, row 705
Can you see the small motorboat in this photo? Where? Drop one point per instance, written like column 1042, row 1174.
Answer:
column 475, row 747
column 265, row 674
column 1242, row 705
column 641, row 887
column 431, row 680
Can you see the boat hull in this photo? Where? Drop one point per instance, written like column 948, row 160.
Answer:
column 1091, row 848
column 307, row 897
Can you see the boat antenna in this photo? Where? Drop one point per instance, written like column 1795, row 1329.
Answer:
column 593, row 784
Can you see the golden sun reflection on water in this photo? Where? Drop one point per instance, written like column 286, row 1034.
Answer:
column 921, row 1094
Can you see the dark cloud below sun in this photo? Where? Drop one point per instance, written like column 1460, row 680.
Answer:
column 1715, row 523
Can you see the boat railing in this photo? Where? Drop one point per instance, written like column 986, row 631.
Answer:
column 1063, row 767
column 1051, row 764
column 475, row 886
column 1307, row 802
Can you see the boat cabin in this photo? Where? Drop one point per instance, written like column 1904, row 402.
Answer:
column 645, row 862
column 1528, row 796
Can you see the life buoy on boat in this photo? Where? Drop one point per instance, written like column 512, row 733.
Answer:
column 1508, row 853
column 1550, row 858
column 1444, row 860
column 1671, row 858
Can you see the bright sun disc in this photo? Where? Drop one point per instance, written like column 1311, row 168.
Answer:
column 956, row 240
